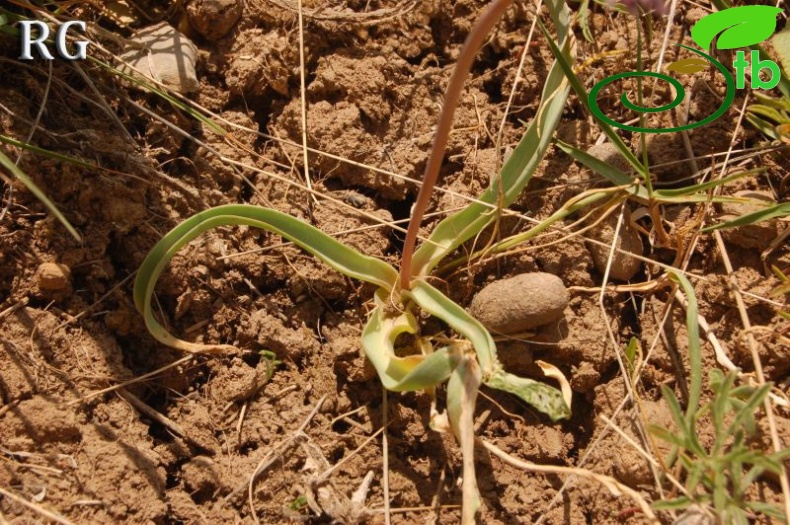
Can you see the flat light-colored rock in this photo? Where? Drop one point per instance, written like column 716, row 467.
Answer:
column 165, row 54
column 521, row 303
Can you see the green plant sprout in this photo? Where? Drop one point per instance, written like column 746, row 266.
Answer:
column 717, row 477
column 466, row 363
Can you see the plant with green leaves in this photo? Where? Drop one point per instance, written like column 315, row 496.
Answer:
column 771, row 115
column 718, row 476
column 464, row 363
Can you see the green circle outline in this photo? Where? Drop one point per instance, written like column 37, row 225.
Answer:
column 725, row 105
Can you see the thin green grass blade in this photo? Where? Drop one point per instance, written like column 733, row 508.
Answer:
column 8, row 164
column 46, row 153
column 601, row 167
column 771, row 212
column 175, row 101
column 695, row 354
column 578, row 87
column 768, row 112
column 693, row 193
column 688, row 191
column 745, row 415
column 573, row 205
column 765, row 127
column 665, row 435
column 679, row 503
column 782, row 104
column 339, row 256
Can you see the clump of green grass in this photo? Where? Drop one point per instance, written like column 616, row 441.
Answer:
column 719, row 475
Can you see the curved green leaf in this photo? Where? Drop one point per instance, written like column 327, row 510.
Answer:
column 439, row 305
column 339, row 256
column 402, row 374
column 40, row 195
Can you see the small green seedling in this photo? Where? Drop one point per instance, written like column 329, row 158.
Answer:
column 719, row 475
column 465, row 363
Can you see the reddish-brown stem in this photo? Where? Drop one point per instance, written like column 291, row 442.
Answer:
column 473, row 43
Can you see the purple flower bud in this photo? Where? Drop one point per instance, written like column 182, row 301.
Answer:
column 635, row 6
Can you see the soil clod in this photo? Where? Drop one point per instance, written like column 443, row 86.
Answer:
column 521, row 303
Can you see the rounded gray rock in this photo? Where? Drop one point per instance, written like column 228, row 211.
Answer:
column 520, row 303
column 609, row 153
column 166, row 55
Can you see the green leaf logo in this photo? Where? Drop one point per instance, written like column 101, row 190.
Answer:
column 739, row 27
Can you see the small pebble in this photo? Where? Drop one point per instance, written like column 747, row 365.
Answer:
column 521, row 303
column 624, row 266
column 53, row 277
column 609, row 153
column 751, row 236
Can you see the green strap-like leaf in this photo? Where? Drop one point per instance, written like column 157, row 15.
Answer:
column 339, row 256
column 40, row 195
column 543, row 397
column 771, row 212
column 694, row 346
column 517, row 171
